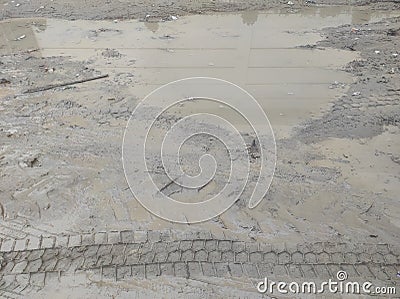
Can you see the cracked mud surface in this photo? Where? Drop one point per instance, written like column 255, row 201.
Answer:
column 69, row 219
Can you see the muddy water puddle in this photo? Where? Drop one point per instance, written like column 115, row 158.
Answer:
column 267, row 53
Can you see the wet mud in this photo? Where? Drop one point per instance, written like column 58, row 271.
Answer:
column 327, row 77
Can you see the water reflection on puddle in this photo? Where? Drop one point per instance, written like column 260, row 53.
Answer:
column 260, row 51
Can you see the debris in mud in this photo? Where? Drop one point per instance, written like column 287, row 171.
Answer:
column 368, row 209
column 49, row 70
column 21, row 37
column 350, row 47
column 4, row 81
column 337, row 84
column 166, row 36
column 2, row 216
column 30, row 160
column 393, row 32
column 308, row 46
column 11, row 132
column 111, row 53
column 40, row 7
column 43, row 88
column 395, row 159
column 254, row 150
column 98, row 32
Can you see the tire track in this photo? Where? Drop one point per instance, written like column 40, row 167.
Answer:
column 118, row 255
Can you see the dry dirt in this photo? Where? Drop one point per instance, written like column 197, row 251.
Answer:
column 327, row 75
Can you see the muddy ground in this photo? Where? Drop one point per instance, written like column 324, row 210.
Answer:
column 68, row 216
column 101, row 10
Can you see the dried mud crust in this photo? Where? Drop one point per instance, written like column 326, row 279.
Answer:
column 26, row 263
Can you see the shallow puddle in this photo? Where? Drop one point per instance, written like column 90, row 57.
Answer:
column 264, row 52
